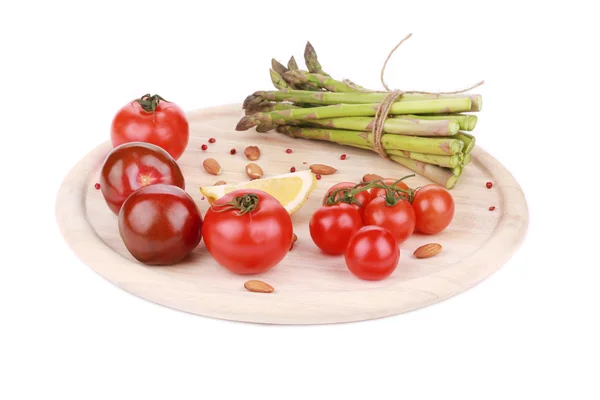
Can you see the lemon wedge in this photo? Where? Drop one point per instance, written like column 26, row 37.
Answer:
column 291, row 190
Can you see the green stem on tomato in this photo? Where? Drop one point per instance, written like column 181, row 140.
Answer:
column 244, row 203
column 149, row 103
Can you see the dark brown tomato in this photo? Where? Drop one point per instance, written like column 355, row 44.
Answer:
column 160, row 224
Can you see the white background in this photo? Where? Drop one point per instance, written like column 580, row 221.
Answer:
column 529, row 331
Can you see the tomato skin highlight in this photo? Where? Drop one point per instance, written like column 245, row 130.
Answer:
column 160, row 224
column 434, row 209
column 378, row 192
column 250, row 243
column 168, row 128
column 363, row 197
column 131, row 166
column 399, row 219
column 372, row 253
column 331, row 227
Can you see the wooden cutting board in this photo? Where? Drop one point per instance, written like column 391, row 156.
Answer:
column 310, row 287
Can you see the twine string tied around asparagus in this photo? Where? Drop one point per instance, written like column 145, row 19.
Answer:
column 385, row 105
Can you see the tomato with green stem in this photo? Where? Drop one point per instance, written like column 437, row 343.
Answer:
column 395, row 214
column 247, row 231
column 434, row 209
column 339, row 193
column 372, row 253
column 331, row 227
column 380, row 192
column 152, row 119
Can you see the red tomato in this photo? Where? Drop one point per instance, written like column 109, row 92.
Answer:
column 372, row 253
column 331, row 227
column 363, row 197
column 252, row 242
column 377, row 192
column 434, row 208
column 133, row 165
column 160, row 224
column 399, row 218
column 154, row 120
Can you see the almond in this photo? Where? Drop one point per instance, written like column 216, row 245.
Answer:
column 254, row 171
column 371, row 177
column 322, row 169
column 219, row 183
column 428, row 250
column 212, row 166
column 294, row 238
column 252, row 153
column 258, row 286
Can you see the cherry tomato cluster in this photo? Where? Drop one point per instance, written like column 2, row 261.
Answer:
column 366, row 222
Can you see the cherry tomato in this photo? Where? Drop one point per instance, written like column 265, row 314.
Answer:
column 363, row 197
column 372, row 253
column 248, row 242
column 399, row 218
column 434, row 208
column 377, row 192
column 154, row 120
column 132, row 165
column 331, row 227
column 160, row 224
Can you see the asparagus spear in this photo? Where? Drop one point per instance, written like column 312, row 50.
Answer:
column 439, row 175
column 292, row 65
column 278, row 67
column 468, row 139
column 414, row 127
column 442, row 161
column 299, row 77
column 311, row 61
column 467, row 122
column 355, row 85
column 354, row 110
column 327, row 98
column 277, row 80
column 435, row 146
column 270, row 107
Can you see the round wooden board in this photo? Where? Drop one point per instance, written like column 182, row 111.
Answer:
column 310, row 288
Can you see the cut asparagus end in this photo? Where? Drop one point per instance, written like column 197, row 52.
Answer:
column 472, row 121
column 453, row 128
column 468, row 140
column 467, row 159
column 476, row 102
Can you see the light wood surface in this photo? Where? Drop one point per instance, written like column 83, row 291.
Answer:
column 310, row 288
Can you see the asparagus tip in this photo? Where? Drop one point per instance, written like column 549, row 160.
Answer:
column 246, row 123
column 247, row 101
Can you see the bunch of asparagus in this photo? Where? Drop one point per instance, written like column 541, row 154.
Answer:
column 426, row 133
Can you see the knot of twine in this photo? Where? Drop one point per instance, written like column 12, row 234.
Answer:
column 383, row 109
